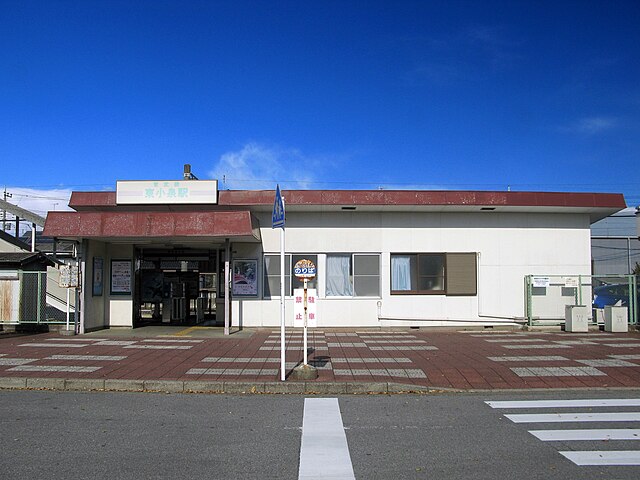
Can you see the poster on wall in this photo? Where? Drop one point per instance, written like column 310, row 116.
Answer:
column 98, row 275
column 245, row 278
column 121, row 277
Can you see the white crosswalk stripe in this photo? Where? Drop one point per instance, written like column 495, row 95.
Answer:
column 570, row 419
column 324, row 452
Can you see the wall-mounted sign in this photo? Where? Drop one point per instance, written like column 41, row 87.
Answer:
column 121, row 277
column 134, row 192
column 541, row 282
column 298, row 307
column 571, row 282
column 98, row 276
column 245, row 278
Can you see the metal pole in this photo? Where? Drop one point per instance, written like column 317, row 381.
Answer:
column 282, row 285
column 304, row 334
column 227, row 276
column 39, row 278
column 529, row 306
column 67, row 308
column 33, row 237
column 580, row 290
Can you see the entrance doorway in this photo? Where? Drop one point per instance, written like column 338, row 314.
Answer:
column 177, row 286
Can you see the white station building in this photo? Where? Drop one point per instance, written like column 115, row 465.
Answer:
column 159, row 251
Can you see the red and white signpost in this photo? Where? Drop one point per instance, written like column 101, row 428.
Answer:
column 305, row 270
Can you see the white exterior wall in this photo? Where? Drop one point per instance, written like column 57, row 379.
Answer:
column 118, row 308
column 509, row 247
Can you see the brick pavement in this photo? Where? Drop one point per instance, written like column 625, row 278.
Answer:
column 363, row 359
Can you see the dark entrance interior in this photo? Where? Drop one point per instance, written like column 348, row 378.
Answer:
column 177, row 286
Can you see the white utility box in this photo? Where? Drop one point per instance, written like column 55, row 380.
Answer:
column 615, row 319
column 576, row 318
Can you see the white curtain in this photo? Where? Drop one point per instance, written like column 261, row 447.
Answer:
column 400, row 272
column 338, row 281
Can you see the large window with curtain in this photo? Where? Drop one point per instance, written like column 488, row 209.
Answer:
column 353, row 275
column 434, row 274
column 272, row 274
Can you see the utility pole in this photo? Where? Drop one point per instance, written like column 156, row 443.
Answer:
column 4, row 212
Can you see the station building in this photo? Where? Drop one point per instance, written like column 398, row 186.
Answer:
column 160, row 251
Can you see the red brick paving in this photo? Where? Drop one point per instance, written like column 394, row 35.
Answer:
column 460, row 362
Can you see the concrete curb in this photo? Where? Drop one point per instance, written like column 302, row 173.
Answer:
column 235, row 388
column 252, row 388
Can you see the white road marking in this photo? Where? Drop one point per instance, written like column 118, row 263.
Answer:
column 370, row 360
column 76, row 339
column 587, row 434
column 622, row 345
column 392, row 348
column 604, row 402
column 53, row 345
column 161, row 347
column 608, row 362
column 16, row 361
column 162, row 340
column 514, row 340
column 87, row 357
column 527, row 346
column 324, row 452
column 622, row 457
column 574, row 417
column 529, row 358
column 557, row 372
column 232, row 371
column 53, row 368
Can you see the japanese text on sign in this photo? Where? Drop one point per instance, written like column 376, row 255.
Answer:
column 304, row 269
column 298, row 308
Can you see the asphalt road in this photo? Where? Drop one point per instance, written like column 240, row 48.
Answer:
column 72, row 435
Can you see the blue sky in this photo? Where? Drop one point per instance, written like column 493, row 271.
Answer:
column 530, row 95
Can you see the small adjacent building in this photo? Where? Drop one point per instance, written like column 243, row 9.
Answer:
column 159, row 251
column 23, row 286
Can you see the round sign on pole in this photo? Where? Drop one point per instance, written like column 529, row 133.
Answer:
column 304, row 269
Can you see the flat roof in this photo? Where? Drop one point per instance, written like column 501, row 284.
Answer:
column 597, row 205
column 239, row 224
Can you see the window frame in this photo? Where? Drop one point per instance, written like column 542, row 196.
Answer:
column 416, row 275
column 353, row 274
column 288, row 274
column 456, row 281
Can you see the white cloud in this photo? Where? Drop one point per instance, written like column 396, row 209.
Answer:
column 257, row 166
column 592, row 125
column 39, row 201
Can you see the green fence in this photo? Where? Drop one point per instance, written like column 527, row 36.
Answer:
column 548, row 295
column 25, row 299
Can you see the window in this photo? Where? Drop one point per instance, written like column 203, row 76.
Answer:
column 353, row 275
column 434, row 273
column 272, row 274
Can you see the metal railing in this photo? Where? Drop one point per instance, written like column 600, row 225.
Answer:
column 31, row 298
column 548, row 295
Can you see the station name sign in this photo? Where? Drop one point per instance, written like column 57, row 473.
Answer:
column 162, row 192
